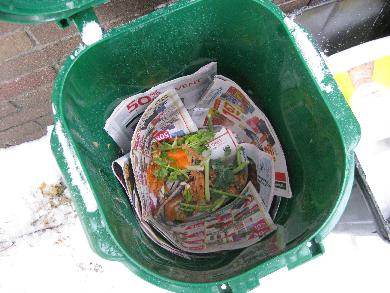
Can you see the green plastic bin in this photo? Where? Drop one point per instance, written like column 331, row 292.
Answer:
column 253, row 46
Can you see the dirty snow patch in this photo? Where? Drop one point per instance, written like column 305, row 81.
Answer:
column 22, row 169
column 91, row 33
column 75, row 170
column 312, row 58
column 43, row 248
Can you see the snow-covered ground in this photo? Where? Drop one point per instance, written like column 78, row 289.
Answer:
column 42, row 244
column 43, row 247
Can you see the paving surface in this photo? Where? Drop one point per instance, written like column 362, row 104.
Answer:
column 31, row 55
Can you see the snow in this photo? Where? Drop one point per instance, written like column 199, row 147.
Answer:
column 327, row 88
column 310, row 54
column 28, row 164
column 350, row 264
column 46, row 256
column 75, row 170
column 44, row 248
column 69, row 4
column 162, row 5
column 77, row 51
column 91, row 33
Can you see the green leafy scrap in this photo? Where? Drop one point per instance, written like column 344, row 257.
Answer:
column 199, row 140
column 166, row 170
column 224, row 175
column 187, row 195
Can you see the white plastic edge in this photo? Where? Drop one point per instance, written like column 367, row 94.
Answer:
column 358, row 55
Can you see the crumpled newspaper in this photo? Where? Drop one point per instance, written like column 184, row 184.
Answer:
column 241, row 222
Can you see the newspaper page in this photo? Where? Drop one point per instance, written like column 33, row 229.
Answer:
column 251, row 256
column 240, row 125
column 165, row 118
column 122, row 170
column 123, row 121
column 229, row 106
column 239, row 224
column 264, row 180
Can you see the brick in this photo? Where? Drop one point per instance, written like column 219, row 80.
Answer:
column 50, row 32
column 21, row 133
column 6, row 27
column 6, row 108
column 317, row 2
column 118, row 21
column 289, row 6
column 57, row 66
column 45, row 121
column 143, row 7
column 27, row 83
column 35, row 98
column 25, row 115
column 13, row 44
column 21, row 117
column 279, row 1
column 149, row 6
column 119, row 8
column 113, row 9
column 37, row 59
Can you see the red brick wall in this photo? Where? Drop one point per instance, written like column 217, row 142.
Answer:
column 31, row 55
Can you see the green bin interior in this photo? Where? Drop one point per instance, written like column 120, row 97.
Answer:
column 253, row 46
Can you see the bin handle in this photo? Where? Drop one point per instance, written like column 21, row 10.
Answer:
column 90, row 217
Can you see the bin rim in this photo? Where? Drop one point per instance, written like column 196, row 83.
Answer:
column 249, row 279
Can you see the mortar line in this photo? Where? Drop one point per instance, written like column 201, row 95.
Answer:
column 14, row 104
column 23, row 75
column 25, row 122
column 39, row 124
column 39, row 48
